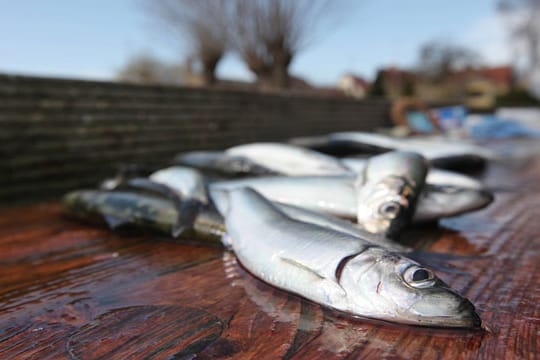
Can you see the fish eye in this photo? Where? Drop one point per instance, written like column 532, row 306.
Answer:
column 419, row 277
column 389, row 209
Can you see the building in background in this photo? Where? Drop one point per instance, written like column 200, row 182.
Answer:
column 353, row 85
column 477, row 87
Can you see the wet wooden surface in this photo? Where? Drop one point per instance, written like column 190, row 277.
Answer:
column 69, row 290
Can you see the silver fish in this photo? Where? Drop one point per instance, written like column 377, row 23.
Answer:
column 429, row 147
column 281, row 159
column 387, row 191
column 288, row 159
column 434, row 176
column 324, row 220
column 338, row 270
column 185, row 181
column 222, row 164
column 440, row 151
column 336, row 195
column 436, row 202
column 142, row 210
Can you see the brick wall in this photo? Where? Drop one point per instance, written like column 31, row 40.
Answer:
column 57, row 135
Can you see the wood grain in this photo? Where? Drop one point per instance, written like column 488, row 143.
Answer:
column 68, row 290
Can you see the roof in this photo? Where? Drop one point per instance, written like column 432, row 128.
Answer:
column 498, row 74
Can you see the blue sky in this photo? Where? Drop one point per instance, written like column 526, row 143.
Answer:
column 94, row 38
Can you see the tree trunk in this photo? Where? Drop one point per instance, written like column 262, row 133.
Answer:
column 208, row 76
column 208, row 71
column 280, row 76
column 265, row 81
column 280, row 67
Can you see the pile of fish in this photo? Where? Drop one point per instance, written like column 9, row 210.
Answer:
column 322, row 227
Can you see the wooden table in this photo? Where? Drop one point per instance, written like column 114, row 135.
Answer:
column 68, row 290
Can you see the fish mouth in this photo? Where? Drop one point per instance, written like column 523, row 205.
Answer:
column 487, row 198
column 465, row 316
column 468, row 317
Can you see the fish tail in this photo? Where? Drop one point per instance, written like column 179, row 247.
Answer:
column 188, row 211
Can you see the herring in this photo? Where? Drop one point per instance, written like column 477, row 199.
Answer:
column 324, row 220
column 121, row 208
column 336, row 195
column 387, row 191
column 337, row 270
column 222, row 164
column 288, row 159
column 142, row 208
column 429, row 147
column 434, row 176
column 158, row 213
column 440, row 152
column 250, row 163
column 186, row 181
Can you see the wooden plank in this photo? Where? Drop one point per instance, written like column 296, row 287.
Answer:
column 68, row 290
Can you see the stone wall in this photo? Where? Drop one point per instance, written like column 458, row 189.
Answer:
column 58, row 135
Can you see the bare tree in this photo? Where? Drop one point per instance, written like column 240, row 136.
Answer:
column 146, row 69
column 439, row 58
column 204, row 24
column 268, row 35
column 524, row 18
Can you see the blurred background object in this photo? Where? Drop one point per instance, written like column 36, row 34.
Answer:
column 479, row 54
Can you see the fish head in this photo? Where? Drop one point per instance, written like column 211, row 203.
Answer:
column 438, row 201
column 384, row 207
column 409, row 165
column 392, row 287
column 387, row 191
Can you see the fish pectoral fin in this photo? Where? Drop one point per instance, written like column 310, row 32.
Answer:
column 302, row 267
column 114, row 222
column 332, row 290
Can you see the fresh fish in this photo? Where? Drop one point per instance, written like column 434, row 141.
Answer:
column 288, row 159
column 436, row 202
column 227, row 165
column 336, row 195
column 222, row 164
column 157, row 212
column 441, row 152
column 187, row 193
column 434, row 176
column 184, row 180
column 324, row 220
column 125, row 172
column 337, row 270
column 387, row 191
column 122, row 208
column 138, row 209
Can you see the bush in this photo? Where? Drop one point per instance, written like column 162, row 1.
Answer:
column 517, row 97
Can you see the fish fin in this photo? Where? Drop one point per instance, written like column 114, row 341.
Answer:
column 152, row 187
column 188, row 210
column 114, row 222
column 331, row 288
column 301, row 266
